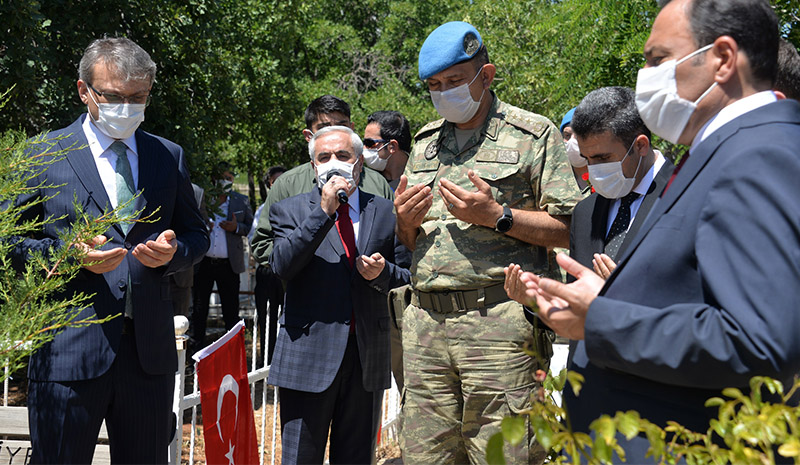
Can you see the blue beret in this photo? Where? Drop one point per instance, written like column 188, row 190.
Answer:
column 567, row 119
column 449, row 44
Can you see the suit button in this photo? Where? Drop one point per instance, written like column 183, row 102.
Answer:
column 435, row 274
column 438, row 244
column 444, row 217
column 128, row 245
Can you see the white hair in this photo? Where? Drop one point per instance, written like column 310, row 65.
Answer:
column 358, row 146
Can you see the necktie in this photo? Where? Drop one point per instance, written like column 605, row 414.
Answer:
column 344, row 225
column 675, row 173
column 620, row 226
column 124, row 181
column 125, row 189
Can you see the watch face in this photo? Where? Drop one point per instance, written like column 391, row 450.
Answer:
column 505, row 222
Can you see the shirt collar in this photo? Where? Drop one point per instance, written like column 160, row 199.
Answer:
column 644, row 184
column 99, row 142
column 352, row 201
column 733, row 111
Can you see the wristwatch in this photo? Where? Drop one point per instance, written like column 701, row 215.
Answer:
column 504, row 223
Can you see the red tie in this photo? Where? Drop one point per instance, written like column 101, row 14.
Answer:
column 344, row 225
column 675, row 173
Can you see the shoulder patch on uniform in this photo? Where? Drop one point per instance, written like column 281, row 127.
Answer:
column 432, row 126
column 525, row 120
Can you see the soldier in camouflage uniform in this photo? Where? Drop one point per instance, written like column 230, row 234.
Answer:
column 484, row 187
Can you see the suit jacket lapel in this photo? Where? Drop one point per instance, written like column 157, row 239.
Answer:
column 82, row 162
column 649, row 200
column 148, row 169
column 365, row 220
column 599, row 222
column 332, row 238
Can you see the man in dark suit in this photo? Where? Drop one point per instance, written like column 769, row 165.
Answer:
column 182, row 281
column 122, row 371
column 331, row 360
column 228, row 217
column 627, row 173
column 704, row 297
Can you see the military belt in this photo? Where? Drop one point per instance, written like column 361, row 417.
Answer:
column 459, row 301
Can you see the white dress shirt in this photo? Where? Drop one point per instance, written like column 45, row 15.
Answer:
column 219, row 244
column 733, row 111
column 106, row 160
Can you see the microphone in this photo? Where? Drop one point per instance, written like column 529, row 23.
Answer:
column 341, row 194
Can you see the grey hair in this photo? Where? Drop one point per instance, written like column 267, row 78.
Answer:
column 358, row 146
column 129, row 60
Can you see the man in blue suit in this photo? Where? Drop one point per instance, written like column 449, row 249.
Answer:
column 705, row 297
column 123, row 370
column 335, row 248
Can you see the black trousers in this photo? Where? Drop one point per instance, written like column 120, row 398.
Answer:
column 207, row 272
column 268, row 290
column 65, row 417
column 346, row 408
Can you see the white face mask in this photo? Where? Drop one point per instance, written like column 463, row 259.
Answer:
column 574, row 153
column 456, row 104
column 608, row 179
column 118, row 120
column 374, row 161
column 660, row 106
column 334, row 167
column 225, row 185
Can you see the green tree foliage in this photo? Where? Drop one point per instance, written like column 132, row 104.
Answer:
column 751, row 428
column 235, row 76
column 33, row 306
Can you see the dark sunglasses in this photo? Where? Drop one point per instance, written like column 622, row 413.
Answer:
column 369, row 143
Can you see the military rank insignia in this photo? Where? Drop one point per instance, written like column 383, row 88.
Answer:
column 431, row 150
column 471, row 44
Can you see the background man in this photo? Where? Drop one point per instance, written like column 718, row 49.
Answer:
column 502, row 184
column 181, row 282
column 387, row 141
column 787, row 80
column 704, row 296
column 123, row 370
column 269, row 288
column 627, row 174
column 332, row 356
column 573, row 153
column 228, row 220
column 321, row 112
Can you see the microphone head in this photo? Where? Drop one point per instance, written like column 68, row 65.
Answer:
column 333, row 173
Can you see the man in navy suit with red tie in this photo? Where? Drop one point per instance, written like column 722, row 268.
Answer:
column 335, row 248
column 705, row 296
column 123, row 370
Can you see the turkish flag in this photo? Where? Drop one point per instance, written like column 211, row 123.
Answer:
column 229, row 429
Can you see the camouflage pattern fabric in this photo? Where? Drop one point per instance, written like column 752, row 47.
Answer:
column 449, row 415
column 465, row 371
column 521, row 155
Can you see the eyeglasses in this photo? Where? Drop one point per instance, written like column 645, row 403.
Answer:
column 116, row 99
column 369, row 143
